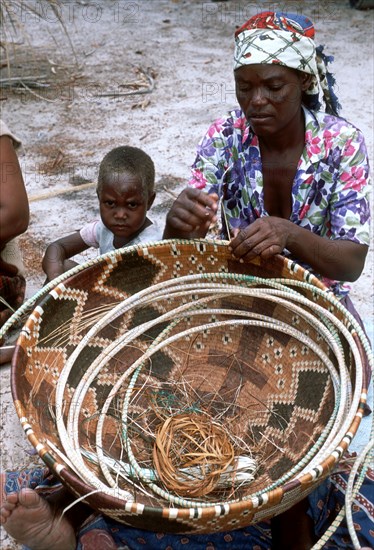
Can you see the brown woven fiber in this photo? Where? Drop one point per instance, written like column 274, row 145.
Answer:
column 188, row 391
column 191, row 441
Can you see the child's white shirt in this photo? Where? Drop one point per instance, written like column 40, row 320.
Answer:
column 96, row 235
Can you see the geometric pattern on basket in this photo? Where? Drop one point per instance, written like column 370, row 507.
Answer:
column 279, row 392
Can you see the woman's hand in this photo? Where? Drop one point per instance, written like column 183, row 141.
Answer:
column 336, row 259
column 191, row 214
column 265, row 237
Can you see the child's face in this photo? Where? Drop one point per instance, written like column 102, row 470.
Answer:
column 123, row 204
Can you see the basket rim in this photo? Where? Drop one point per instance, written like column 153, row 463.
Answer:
column 277, row 259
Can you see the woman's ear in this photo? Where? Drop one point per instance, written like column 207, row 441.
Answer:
column 306, row 80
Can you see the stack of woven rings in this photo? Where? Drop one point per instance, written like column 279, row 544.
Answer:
column 346, row 404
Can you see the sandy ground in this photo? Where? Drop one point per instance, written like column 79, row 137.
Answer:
column 74, row 110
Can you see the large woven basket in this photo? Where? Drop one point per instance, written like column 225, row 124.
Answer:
column 142, row 334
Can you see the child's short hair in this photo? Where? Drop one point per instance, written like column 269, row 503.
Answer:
column 128, row 159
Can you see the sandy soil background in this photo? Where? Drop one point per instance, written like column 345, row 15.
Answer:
column 73, row 107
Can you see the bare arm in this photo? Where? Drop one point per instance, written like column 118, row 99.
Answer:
column 14, row 206
column 338, row 259
column 59, row 251
column 191, row 215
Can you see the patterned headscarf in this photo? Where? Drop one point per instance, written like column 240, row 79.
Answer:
column 287, row 39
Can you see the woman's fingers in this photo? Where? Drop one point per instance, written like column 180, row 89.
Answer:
column 192, row 212
column 264, row 238
column 199, row 204
column 271, row 251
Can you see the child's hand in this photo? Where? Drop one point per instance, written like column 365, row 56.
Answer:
column 56, row 258
column 53, row 261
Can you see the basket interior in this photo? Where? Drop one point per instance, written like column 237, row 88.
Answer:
column 268, row 387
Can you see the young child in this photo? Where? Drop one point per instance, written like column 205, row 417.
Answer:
column 125, row 190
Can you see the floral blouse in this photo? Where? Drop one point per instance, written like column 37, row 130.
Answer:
column 330, row 192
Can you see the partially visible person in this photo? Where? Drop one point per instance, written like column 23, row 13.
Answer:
column 14, row 220
column 126, row 191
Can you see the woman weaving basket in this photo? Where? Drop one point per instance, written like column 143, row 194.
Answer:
column 290, row 180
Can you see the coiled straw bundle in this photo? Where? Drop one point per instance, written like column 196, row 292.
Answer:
column 191, row 355
column 188, row 441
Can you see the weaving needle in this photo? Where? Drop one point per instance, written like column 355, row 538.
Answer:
column 227, row 226
column 222, row 207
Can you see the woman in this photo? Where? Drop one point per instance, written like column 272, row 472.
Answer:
column 291, row 180
column 14, row 220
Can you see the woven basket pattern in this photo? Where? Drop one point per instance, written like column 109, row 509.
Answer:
column 265, row 384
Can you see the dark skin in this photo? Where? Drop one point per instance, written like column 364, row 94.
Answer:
column 123, row 210
column 14, row 210
column 270, row 97
column 14, row 205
